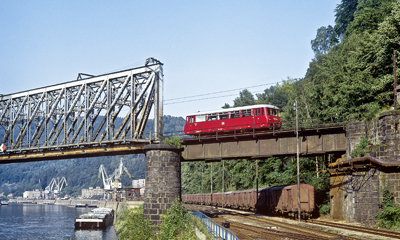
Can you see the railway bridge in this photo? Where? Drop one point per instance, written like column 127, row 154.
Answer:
column 315, row 139
column 88, row 117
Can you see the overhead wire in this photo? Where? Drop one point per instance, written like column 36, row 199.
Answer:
column 207, row 94
column 236, row 89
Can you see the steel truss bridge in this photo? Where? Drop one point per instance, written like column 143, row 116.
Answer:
column 91, row 116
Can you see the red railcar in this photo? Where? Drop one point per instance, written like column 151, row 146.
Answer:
column 261, row 116
column 272, row 200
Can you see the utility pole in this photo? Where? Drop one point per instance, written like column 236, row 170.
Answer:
column 202, row 170
column 298, row 165
column 395, row 81
column 211, row 183
column 256, row 183
column 223, row 189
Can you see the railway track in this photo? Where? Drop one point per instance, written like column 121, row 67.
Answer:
column 251, row 227
column 259, row 227
column 373, row 231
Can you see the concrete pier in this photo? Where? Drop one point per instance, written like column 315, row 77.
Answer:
column 163, row 180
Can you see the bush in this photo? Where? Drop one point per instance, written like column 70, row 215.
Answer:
column 174, row 141
column 359, row 150
column 389, row 216
column 325, row 209
column 132, row 225
column 177, row 223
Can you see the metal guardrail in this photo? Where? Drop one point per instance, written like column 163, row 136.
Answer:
column 216, row 231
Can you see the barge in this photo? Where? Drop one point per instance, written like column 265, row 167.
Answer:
column 98, row 218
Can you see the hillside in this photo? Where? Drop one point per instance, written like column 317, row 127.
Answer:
column 350, row 78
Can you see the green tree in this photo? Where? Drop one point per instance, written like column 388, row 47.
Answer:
column 324, row 41
column 245, row 98
column 368, row 15
column 344, row 14
column 274, row 96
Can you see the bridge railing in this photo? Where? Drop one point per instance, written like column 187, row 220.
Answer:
column 215, row 230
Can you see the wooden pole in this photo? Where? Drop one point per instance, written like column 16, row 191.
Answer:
column 394, row 79
column 223, row 189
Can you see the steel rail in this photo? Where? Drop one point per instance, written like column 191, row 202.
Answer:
column 373, row 231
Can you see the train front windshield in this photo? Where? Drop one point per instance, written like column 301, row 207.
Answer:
column 273, row 112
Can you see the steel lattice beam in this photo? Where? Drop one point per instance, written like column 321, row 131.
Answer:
column 110, row 108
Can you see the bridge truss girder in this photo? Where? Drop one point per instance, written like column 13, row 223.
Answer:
column 110, row 108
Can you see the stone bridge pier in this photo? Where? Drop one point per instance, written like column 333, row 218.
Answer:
column 163, row 180
column 356, row 183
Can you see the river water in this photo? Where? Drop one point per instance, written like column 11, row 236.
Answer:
column 35, row 221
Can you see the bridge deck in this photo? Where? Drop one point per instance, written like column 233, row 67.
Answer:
column 77, row 151
column 259, row 145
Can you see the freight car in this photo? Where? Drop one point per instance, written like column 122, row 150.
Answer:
column 279, row 200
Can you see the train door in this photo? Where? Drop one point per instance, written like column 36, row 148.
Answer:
column 259, row 117
column 189, row 124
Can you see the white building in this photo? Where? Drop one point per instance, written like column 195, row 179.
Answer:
column 138, row 183
column 32, row 194
column 88, row 193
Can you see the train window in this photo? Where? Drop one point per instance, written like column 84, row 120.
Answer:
column 262, row 111
column 223, row 115
column 246, row 113
column 211, row 117
column 200, row 118
column 189, row 119
column 234, row 114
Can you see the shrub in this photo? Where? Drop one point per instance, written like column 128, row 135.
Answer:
column 325, row 209
column 176, row 223
column 131, row 224
column 389, row 216
column 174, row 141
column 359, row 150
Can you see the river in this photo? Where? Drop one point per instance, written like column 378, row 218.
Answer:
column 35, row 221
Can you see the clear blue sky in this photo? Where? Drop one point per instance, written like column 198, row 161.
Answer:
column 206, row 46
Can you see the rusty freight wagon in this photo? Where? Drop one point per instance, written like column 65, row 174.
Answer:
column 279, row 200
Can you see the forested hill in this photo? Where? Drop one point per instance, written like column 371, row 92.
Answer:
column 352, row 71
column 80, row 173
column 351, row 75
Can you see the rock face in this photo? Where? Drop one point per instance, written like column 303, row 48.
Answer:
column 355, row 189
column 163, row 180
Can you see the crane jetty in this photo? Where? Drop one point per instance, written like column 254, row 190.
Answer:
column 98, row 218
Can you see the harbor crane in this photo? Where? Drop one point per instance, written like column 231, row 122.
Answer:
column 112, row 182
column 117, row 175
column 107, row 181
column 50, row 187
column 59, row 185
column 56, row 185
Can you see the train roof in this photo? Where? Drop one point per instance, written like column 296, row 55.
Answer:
column 235, row 109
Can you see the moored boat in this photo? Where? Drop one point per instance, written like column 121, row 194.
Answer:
column 98, row 218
